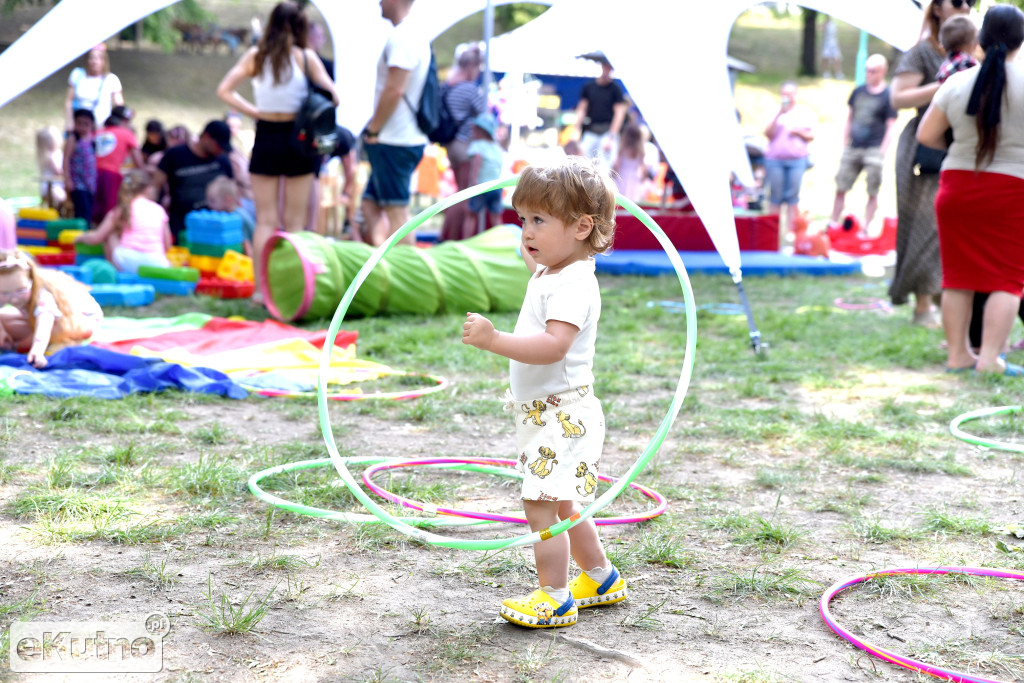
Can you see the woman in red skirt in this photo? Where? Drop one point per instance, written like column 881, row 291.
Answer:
column 980, row 203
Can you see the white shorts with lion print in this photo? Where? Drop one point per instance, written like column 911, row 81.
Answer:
column 560, row 442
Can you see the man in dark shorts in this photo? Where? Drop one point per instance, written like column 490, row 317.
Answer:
column 599, row 116
column 392, row 139
column 186, row 170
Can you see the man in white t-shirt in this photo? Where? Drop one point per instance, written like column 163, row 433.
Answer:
column 392, row 139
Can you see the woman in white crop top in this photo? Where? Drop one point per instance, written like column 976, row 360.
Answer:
column 278, row 67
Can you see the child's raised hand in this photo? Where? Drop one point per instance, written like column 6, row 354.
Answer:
column 36, row 359
column 478, row 331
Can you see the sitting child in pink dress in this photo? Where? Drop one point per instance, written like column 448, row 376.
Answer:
column 136, row 231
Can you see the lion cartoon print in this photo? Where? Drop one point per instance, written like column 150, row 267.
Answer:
column 542, row 466
column 589, row 479
column 570, row 430
column 536, row 414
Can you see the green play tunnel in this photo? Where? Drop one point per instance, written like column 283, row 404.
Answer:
column 308, row 274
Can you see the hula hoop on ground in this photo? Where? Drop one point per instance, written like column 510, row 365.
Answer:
column 802, row 310
column 869, row 304
column 893, row 658
column 954, row 428
column 440, row 384
column 527, row 539
column 322, row 513
column 506, row 466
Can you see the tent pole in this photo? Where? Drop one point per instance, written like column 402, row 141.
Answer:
column 488, row 77
column 755, row 334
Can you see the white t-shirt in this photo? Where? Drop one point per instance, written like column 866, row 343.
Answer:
column 952, row 98
column 93, row 93
column 410, row 50
column 573, row 296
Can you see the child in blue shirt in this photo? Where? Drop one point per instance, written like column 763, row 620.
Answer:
column 486, row 158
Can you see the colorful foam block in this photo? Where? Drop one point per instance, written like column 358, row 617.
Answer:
column 31, row 233
column 178, row 256
column 218, row 250
column 39, row 213
column 37, row 251
column 225, row 289
column 89, row 249
column 172, row 287
column 83, row 275
column 235, row 266
column 61, row 258
column 123, row 294
column 55, row 228
column 67, row 237
column 204, row 264
column 179, row 274
column 213, row 227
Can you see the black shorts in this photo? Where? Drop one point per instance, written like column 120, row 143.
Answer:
column 276, row 153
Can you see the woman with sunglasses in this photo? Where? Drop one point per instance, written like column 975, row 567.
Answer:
column 918, row 269
column 978, row 205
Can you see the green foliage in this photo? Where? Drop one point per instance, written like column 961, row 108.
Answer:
column 514, row 15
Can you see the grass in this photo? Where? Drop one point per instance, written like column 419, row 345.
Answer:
column 222, row 615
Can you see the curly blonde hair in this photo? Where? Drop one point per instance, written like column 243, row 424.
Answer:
column 569, row 190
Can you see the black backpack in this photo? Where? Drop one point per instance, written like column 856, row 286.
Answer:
column 429, row 114
column 447, row 126
column 315, row 130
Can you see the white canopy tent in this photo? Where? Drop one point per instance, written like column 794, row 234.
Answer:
column 690, row 109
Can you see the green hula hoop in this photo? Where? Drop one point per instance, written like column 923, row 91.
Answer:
column 954, row 428
column 645, row 457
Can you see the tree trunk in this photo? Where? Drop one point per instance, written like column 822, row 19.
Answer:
column 808, row 61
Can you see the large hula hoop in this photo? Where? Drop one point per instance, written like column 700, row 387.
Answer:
column 350, row 517
column 954, row 428
column 439, row 384
column 946, row 675
column 535, row 537
column 506, row 465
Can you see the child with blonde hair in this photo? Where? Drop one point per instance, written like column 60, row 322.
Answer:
column 136, row 232
column 568, row 214
column 50, row 161
column 42, row 310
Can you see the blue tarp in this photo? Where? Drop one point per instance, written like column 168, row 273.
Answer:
column 654, row 263
column 91, row 371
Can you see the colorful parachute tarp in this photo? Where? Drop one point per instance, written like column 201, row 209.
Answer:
column 308, row 275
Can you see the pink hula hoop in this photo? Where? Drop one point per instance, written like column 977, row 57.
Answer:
column 947, row 675
column 512, row 519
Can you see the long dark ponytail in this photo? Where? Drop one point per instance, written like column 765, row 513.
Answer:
column 1001, row 32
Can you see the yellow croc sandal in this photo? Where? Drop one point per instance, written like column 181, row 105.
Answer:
column 539, row 610
column 588, row 594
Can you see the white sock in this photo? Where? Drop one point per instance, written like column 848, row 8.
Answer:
column 599, row 574
column 559, row 594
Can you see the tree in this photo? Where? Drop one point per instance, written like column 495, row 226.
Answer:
column 809, row 52
column 157, row 27
column 514, row 15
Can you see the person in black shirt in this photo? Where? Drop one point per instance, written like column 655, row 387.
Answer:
column 599, row 116
column 186, row 170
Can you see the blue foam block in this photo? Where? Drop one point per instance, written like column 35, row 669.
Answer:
column 653, row 263
column 213, row 227
column 175, row 287
column 30, row 223
column 83, row 275
column 123, row 295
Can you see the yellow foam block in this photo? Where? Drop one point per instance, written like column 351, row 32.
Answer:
column 38, row 213
column 206, row 264
column 236, row 267
column 36, row 251
column 178, row 256
column 68, row 236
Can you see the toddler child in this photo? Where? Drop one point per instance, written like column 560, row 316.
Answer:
column 959, row 38
column 80, row 163
column 42, row 310
column 223, row 194
column 568, row 215
column 50, row 161
column 136, row 231
column 485, row 159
